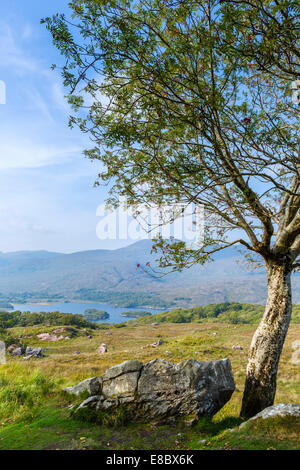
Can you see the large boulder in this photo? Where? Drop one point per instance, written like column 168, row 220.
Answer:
column 282, row 410
column 163, row 392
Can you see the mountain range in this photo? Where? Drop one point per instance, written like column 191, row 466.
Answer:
column 88, row 275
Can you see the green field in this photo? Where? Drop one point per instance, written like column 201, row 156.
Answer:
column 35, row 413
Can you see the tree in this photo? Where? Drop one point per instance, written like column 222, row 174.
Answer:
column 273, row 30
column 179, row 112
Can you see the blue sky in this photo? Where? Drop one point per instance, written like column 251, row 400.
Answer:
column 47, row 199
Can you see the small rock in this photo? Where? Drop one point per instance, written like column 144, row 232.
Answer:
column 76, row 353
column 282, row 409
column 237, row 348
column 154, row 324
column 36, row 352
column 102, row 349
column 18, row 351
column 109, row 333
column 159, row 343
column 49, row 337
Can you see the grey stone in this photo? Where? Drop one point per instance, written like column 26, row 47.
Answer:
column 122, row 379
column 158, row 343
column 93, row 386
column 191, row 387
column 164, row 392
column 102, row 349
column 124, row 368
column 90, row 402
column 282, row 409
column 34, row 352
column 18, row 351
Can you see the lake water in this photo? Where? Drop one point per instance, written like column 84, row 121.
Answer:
column 80, row 307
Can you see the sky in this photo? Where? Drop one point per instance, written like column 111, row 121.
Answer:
column 47, row 198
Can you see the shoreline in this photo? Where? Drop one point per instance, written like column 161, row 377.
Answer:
column 46, row 303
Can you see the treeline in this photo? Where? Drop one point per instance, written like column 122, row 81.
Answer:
column 123, row 299
column 13, row 319
column 120, row 299
column 27, row 297
column 227, row 312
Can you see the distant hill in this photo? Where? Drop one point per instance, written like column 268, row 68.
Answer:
column 106, row 275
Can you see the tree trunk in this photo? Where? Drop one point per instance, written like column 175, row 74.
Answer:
column 267, row 342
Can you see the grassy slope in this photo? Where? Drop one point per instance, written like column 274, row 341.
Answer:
column 34, row 414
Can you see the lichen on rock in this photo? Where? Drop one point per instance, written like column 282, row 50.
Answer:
column 159, row 390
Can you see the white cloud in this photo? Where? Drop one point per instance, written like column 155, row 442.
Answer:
column 33, row 131
column 27, row 154
column 11, row 55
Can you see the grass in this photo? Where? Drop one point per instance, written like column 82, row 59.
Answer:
column 35, row 414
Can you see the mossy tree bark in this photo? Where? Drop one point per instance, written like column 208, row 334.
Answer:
column 267, row 342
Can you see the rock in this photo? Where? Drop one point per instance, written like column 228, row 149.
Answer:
column 109, row 333
column 159, row 343
column 237, row 348
column 90, row 402
column 102, row 349
column 93, row 386
column 36, row 352
column 18, row 351
column 76, row 353
column 282, row 409
column 121, row 379
column 163, row 392
column 49, row 337
column 154, row 324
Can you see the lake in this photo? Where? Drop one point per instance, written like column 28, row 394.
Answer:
column 80, row 307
